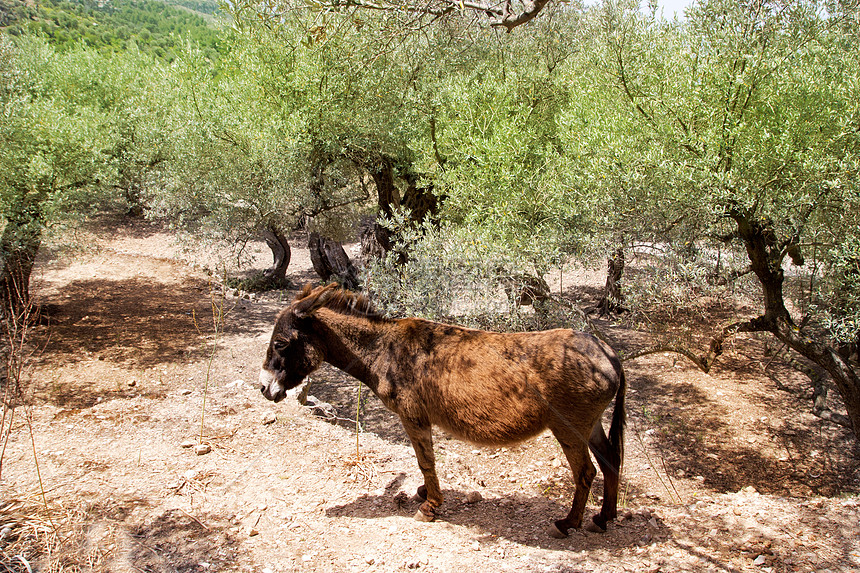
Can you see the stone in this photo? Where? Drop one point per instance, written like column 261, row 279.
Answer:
column 202, row 449
column 474, row 497
column 187, row 444
column 321, row 409
column 646, row 539
column 269, row 418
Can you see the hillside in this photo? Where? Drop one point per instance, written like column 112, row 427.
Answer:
column 156, row 27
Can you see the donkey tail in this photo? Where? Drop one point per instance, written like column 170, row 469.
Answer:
column 619, row 419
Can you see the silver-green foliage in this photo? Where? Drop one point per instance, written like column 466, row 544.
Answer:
column 454, row 274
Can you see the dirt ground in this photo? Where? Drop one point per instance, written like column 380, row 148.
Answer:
column 723, row 472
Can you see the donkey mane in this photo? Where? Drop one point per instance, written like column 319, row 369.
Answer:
column 338, row 300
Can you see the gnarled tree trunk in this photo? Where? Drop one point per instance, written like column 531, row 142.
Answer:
column 766, row 254
column 19, row 245
column 330, row 260
column 420, row 201
column 281, row 253
column 612, row 299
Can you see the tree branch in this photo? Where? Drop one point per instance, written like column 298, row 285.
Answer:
column 706, row 361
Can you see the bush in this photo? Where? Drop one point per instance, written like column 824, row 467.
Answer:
column 453, row 275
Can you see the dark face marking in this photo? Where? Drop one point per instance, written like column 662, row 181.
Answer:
column 290, row 357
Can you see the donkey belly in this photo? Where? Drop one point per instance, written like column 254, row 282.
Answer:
column 490, row 414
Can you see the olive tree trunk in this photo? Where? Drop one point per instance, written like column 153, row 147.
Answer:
column 612, row 299
column 281, row 254
column 331, row 261
column 766, row 254
column 19, row 245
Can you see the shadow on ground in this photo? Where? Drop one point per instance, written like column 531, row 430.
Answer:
column 176, row 542
column 134, row 322
column 692, row 436
column 519, row 518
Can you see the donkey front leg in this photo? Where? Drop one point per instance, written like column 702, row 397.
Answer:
column 421, row 437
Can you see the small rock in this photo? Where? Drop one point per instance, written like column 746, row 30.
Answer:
column 185, row 392
column 321, row 409
column 132, row 383
column 269, row 418
column 474, row 497
column 252, row 532
column 202, row 449
column 187, row 444
column 653, row 522
column 760, row 560
column 646, row 539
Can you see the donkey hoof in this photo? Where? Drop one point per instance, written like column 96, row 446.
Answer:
column 422, row 492
column 555, row 530
column 421, row 516
column 597, row 524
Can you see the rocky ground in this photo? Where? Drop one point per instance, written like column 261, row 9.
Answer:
column 156, row 451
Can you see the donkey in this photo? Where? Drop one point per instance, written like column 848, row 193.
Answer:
column 487, row 388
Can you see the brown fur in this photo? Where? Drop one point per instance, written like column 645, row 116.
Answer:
column 484, row 387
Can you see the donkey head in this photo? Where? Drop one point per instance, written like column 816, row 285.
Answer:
column 293, row 351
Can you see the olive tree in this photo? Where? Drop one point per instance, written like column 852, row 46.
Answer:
column 51, row 155
column 749, row 112
column 342, row 101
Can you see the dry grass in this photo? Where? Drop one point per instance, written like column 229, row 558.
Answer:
column 50, row 539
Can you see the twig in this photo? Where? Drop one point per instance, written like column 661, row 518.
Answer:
column 651, row 463
column 200, row 523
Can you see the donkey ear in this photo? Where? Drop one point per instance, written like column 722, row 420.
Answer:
column 314, row 299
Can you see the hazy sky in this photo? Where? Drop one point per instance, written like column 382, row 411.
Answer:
column 672, row 6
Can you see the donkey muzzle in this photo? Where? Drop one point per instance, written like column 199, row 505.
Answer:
column 270, row 387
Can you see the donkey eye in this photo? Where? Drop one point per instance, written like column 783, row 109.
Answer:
column 279, row 345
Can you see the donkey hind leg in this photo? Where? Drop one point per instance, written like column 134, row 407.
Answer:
column 610, row 467
column 422, row 442
column 583, row 470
